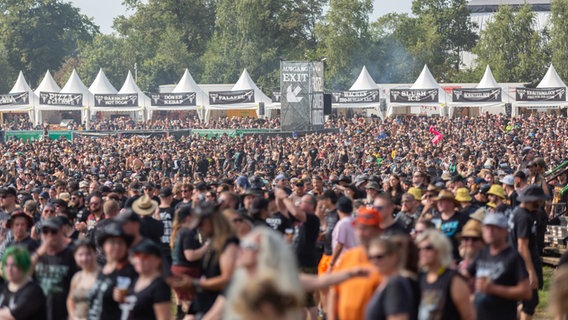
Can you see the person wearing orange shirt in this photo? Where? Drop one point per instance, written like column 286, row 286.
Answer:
column 348, row 300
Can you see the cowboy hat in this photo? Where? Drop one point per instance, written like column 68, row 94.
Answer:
column 144, row 206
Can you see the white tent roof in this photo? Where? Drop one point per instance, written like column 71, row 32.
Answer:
column 187, row 84
column 364, row 81
column 131, row 87
column 425, row 80
column 75, row 85
column 47, row 84
column 20, row 86
column 245, row 83
column 488, row 81
column 101, row 85
column 551, row 79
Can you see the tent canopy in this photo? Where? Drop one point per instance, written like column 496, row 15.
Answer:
column 245, row 83
column 20, row 86
column 75, row 85
column 47, row 84
column 488, row 81
column 364, row 81
column 130, row 87
column 188, row 84
column 550, row 80
column 101, row 85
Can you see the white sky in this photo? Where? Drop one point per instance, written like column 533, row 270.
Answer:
column 104, row 11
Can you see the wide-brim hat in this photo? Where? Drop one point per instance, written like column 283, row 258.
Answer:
column 373, row 185
column 463, row 195
column 471, row 229
column 113, row 230
column 19, row 214
column 446, row 195
column 144, row 205
column 497, row 190
column 532, row 192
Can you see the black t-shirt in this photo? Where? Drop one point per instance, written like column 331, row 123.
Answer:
column 279, row 222
column 101, row 303
column 523, row 224
column 53, row 274
column 186, row 239
column 166, row 216
column 20, row 302
column 331, row 219
column 507, row 268
column 30, row 244
column 451, row 227
column 152, row 229
column 140, row 305
column 436, row 301
column 397, row 297
column 307, row 235
column 396, row 228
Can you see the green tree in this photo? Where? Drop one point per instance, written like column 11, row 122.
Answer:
column 255, row 35
column 39, row 34
column 512, row 47
column 445, row 31
column 559, row 36
column 344, row 39
column 9, row 77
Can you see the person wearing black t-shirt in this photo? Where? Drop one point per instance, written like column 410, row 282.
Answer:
column 166, row 215
column 524, row 239
column 54, row 268
column 148, row 297
column 384, row 204
column 19, row 290
column 117, row 272
column 501, row 276
column 20, row 223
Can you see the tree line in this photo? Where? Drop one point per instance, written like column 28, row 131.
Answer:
column 216, row 39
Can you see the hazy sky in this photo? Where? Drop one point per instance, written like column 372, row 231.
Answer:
column 104, row 11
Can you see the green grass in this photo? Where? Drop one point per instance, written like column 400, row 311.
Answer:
column 542, row 309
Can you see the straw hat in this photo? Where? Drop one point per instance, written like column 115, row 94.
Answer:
column 447, row 195
column 144, row 206
column 471, row 229
column 415, row 192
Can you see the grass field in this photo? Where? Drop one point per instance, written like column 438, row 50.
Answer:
column 542, row 309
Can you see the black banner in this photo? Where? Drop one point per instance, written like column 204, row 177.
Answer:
column 414, row 95
column 61, row 99
column 186, row 99
column 116, row 100
column 541, row 94
column 276, row 96
column 476, row 95
column 14, row 98
column 356, row 96
column 231, row 97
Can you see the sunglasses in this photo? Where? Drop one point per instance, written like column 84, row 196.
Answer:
column 426, row 248
column 47, row 231
column 238, row 220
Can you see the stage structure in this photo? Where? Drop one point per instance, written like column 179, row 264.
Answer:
column 301, row 95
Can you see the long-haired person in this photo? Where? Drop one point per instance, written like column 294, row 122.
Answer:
column 85, row 255
column 20, row 297
column 395, row 298
column 188, row 248
column 266, row 284
column 218, row 262
column 117, row 272
column 444, row 293
column 148, row 298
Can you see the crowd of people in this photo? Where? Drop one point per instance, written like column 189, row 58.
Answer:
column 374, row 221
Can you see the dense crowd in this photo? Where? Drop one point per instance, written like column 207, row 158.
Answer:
column 374, row 221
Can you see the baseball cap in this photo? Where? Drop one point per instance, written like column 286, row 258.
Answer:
column 496, row 219
column 508, row 180
column 368, row 216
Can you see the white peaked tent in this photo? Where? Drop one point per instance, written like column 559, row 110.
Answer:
column 364, row 81
column 21, row 86
column 101, row 85
column 550, row 80
column 487, row 82
column 244, row 83
column 47, row 85
column 75, row 85
column 187, row 84
column 130, row 87
column 424, row 81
